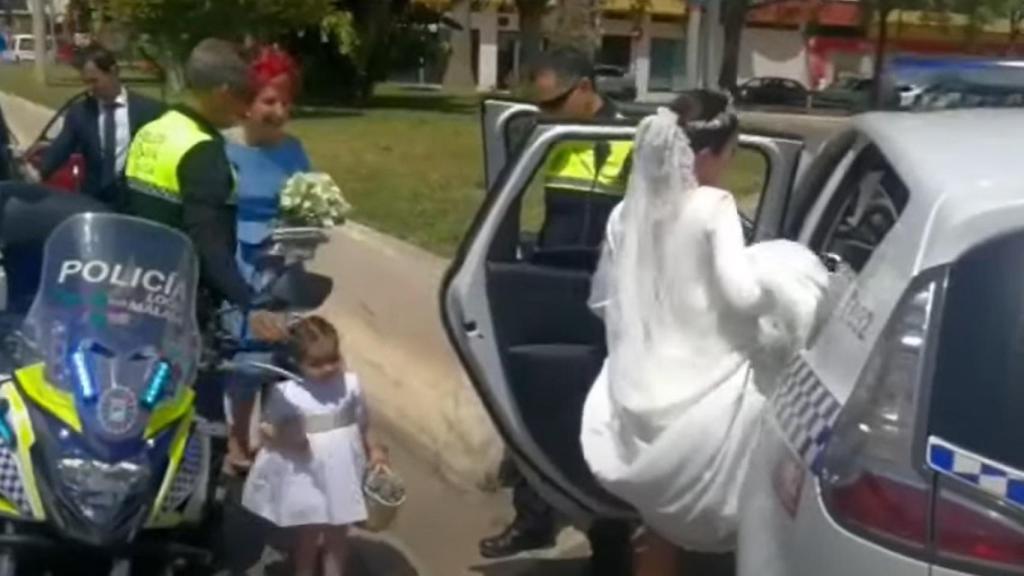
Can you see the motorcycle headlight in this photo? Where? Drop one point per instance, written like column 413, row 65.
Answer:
column 98, row 489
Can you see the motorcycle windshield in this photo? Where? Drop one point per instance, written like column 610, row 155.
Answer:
column 114, row 319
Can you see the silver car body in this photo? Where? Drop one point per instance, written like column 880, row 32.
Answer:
column 965, row 187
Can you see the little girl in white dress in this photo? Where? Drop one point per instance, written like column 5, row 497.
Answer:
column 308, row 477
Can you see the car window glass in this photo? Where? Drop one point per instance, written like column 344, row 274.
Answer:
column 977, row 396
column 864, row 208
column 562, row 215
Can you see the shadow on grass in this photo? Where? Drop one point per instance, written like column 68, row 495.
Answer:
column 397, row 99
column 316, row 112
column 425, row 102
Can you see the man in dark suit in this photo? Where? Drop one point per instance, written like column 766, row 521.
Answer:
column 101, row 127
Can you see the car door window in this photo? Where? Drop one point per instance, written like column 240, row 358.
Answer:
column 814, row 185
column 506, row 125
column 866, row 205
column 977, row 397
column 568, row 224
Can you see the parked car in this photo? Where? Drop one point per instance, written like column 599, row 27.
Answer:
column 616, row 82
column 772, row 91
column 893, row 442
column 22, row 48
column 68, row 177
column 851, row 93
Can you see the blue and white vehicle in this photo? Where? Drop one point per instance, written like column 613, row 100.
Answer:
column 894, row 444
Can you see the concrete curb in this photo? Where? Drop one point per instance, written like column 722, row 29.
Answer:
column 385, row 302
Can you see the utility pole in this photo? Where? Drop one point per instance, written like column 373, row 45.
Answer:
column 39, row 33
column 704, row 42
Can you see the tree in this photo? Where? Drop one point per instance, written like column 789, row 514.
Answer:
column 1013, row 12
column 578, row 25
column 531, row 29
column 459, row 70
column 170, row 28
column 878, row 13
column 734, row 19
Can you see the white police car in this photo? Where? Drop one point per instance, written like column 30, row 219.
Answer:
column 891, row 446
column 895, row 444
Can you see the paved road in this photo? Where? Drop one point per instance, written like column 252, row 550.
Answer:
column 435, row 535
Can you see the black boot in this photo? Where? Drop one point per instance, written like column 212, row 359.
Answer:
column 519, row 537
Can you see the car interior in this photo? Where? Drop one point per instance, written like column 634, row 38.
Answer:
column 864, row 208
column 551, row 344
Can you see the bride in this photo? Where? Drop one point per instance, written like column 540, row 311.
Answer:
column 699, row 326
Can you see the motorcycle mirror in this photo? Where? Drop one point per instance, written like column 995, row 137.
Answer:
column 298, row 290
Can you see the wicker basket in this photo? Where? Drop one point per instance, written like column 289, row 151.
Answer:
column 384, row 492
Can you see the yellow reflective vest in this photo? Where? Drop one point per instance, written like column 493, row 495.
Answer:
column 572, row 166
column 151, row 169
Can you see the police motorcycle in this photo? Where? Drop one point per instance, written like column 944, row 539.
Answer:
column 104, row 465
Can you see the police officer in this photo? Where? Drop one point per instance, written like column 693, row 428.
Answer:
column 583, row 180
column 178, row 174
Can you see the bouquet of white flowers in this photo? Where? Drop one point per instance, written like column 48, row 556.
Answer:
column 313, row 199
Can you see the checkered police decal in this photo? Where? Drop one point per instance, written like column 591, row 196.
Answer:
column 996, row 479
column 806, row 412
column 11, row 486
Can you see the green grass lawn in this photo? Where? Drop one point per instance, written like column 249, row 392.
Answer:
column 411, row 163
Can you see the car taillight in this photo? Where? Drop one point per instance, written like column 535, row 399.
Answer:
column 868, row 480
column 970, row 533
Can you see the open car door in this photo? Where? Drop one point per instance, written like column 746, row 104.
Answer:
column 506, row 125
column 518, row 318
column 69, row 176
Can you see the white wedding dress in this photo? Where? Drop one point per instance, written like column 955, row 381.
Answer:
column 699, row 326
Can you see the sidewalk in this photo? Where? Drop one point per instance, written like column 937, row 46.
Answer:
column 385, row 302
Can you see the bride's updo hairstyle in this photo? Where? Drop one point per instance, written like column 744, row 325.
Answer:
column 708, row 119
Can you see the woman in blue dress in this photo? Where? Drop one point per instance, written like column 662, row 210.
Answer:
column 264, row 156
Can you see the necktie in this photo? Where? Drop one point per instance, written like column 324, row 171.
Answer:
column 109, row 144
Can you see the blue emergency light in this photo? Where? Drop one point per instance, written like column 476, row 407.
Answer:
column 6, row 434
column 157, row 384
column 86, row 386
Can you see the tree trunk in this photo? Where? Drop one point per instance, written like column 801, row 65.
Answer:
column 735, row 17
column 531, row 31
column 39, row 32
column 374, row 26
column 881, row 44
column 1015, row 22
column 458, row 73
column 577, row 25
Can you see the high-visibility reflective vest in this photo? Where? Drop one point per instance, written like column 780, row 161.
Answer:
column 573, row 166
column 151, row 169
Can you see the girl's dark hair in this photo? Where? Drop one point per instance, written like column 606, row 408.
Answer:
column 314, row 338
column 707, row 118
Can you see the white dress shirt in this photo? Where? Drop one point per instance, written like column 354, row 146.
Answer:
column 122, row 128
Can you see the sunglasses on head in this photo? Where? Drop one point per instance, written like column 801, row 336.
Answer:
column 556, row 103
